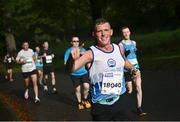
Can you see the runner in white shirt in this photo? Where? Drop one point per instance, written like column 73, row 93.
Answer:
column 26, row 58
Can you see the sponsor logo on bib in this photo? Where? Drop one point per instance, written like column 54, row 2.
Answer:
column 111, row 62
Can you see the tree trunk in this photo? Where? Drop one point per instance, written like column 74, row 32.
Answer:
column 7, row 28
column 10, row 42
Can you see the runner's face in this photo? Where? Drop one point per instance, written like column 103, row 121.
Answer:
column 25, row 46
column 103, row 34
column 126, row 33
column 75, row 42
column 37, row 49
column 46, row 45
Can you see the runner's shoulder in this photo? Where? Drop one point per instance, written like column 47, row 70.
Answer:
column 134, row 42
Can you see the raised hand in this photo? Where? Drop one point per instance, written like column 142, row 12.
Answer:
column 22, row 61
column 75, row 53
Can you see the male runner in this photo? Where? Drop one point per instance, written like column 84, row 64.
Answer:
column 39, row 64
column 26, row 58
column 48, row 67
column 79, row 77
column 129, row 49
column 9, row 62
column 108, row 91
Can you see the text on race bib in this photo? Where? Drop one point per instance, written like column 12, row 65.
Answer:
column 49, row 59
column 111, row 83
column 9, row 60
column 29, row 62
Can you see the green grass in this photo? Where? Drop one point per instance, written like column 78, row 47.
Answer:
column 161, row 63
column 159, row 42
column 157, row 38
column 160, row 50
column 174, row 57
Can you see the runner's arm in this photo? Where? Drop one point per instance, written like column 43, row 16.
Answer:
column 75, row 62
column 5, row 59
column 34, row 58
column 20, row 60
column 127, row 65
column 66, row 55
column 130, row 67
column 134, row 43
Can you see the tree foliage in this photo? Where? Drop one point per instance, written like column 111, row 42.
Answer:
column 37, row 20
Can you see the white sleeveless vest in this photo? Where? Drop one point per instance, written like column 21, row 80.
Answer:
column 107, row 73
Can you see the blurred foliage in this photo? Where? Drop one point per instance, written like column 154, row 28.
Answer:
column 147, row 14
column 63, row 18
column 58, row 20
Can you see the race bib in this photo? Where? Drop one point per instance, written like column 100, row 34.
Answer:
column 9, row 60
column 39, row 61
column 112, row 83
column 49, row 59
column 29, row 62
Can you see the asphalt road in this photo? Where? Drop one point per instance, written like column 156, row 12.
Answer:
column 160, row 88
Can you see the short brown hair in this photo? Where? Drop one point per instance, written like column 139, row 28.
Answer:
column 100, row 21
column 124, row 27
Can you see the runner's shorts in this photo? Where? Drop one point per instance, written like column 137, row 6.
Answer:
column 9, row 65
column 120, row 110
column 128, row 76
column 77, row 80
column 39, row 68
column 28, row 74
column 48, row 69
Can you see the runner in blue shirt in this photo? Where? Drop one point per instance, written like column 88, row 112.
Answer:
column 39, row 64
column 79, row 77
column 130, row 49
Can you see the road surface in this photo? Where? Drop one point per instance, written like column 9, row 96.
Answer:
column 160, row 88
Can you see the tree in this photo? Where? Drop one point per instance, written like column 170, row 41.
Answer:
column 7, row 27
